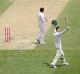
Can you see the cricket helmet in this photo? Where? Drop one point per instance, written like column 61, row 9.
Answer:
column 54, row 22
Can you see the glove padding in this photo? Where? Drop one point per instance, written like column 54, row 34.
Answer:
column 68, row 28
column 54, row 23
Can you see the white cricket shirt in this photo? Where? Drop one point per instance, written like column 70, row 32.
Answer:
column 57, row 38
column 41, row 18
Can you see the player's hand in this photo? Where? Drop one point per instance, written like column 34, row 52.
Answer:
column 46, row 19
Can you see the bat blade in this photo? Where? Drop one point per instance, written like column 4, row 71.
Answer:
column 66, row 21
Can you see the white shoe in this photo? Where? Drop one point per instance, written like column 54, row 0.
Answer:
column 42, row 42
column 52, row 66
column 66, row 63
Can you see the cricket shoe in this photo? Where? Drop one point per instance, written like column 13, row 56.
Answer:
column 42, row 42
column 52, row 66
column 38, row 41
column 66, row 63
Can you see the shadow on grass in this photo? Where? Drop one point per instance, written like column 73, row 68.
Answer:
column 48, row 64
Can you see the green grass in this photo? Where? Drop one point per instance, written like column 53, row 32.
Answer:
column 4, row 4
column 35, row 61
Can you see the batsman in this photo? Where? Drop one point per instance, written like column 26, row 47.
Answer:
column 57, row 43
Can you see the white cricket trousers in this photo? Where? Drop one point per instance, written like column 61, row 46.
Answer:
column 59, row 55
column 41, row 33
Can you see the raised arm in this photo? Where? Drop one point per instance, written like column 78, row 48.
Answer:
column 67, row 29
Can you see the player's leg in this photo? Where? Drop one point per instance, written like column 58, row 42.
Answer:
column 42, row 34
column 63, row 58
column 55, row 60
column 39, row 38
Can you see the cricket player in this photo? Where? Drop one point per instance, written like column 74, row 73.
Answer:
column 58, row 46
column 41, row 25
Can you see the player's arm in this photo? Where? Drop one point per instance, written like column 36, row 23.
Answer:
column 67, row 29
column 43, row 18
column 54, row 25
